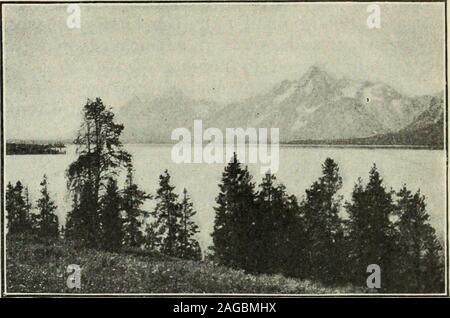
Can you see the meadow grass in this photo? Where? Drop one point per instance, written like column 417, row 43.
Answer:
column 40, row 267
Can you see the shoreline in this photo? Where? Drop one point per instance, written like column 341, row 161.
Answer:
column 282, row 145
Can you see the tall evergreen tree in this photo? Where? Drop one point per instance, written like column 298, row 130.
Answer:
column 111, row 218
column 167, row 215
column 73, row 220
column 324, row 228
column 11, row 208
column 418, row 263
column 47, row 220
column 235, row 204
column 100, row 155
column 189, row 247
column 153, row 235
column 17, row 210
column 274, row 229
column 28, row 208
column 133, row 199
column 371, row 235
column 434, row 265
column 83, row 221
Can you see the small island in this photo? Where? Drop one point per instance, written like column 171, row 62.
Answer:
column 23, row 148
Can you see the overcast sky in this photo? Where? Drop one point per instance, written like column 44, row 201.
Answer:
column 222, row 52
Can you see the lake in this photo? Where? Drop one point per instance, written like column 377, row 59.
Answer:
column 299, row 168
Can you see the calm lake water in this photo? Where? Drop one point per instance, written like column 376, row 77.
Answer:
column 299, row 168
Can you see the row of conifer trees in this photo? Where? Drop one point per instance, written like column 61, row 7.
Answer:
column 266, row 230
column 102, row 215
column 105, row 217
column 259, row 229
column 123, row 224
column 262, row 230
column 18, row 205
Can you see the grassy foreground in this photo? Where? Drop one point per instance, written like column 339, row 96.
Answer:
column 34, row 267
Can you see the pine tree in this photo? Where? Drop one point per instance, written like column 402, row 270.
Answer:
column 18, row 210
column 111, row 219
column 47, row 220
column 28, row 208
column 133, row 199
column 418, row 263
column 153, row 236
column 434, row 266
column 33, row 217
column 83, row 221
column 324, row 228
column 189, row 248
column 235, row 205
column 11, row 209
column 72, row 220
column 167, row 215
column 371, row 235
column 263, row 228
column 274, row 229
column 100, row 155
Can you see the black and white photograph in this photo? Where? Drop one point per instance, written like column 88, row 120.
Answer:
column 224, row 149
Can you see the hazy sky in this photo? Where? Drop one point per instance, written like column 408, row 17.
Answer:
column 222, row 52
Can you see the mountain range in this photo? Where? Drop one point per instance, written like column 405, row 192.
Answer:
column 316, row 107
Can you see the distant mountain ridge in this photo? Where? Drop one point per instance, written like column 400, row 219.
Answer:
column 148, row 121
column 317, row 106
column 426, row 131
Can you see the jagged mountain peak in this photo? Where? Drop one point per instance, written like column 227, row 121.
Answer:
column 315, row 106
column 316, row 73
column 315, row 70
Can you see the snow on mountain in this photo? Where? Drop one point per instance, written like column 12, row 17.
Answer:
column 316, row 106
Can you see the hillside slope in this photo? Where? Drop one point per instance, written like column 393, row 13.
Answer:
column 427, row 130
column 36, row 267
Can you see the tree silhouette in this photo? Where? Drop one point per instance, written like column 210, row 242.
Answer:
column 371, row 235
column 189, row 248
column 235, row 202
column 167, row 215
column 100, row 155
column 323, row 226
column 133, row 199
column 111, row 218
column 17, row 210
column 274, row 229
column 47, row 220
column 419, row 264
